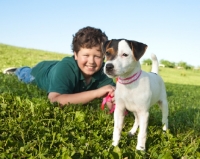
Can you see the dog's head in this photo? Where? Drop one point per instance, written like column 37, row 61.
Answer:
column 121, row 56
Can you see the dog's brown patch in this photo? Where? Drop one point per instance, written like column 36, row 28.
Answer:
column 110, row 53
column 110, row 50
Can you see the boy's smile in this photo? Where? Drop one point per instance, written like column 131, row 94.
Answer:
column 89, row 60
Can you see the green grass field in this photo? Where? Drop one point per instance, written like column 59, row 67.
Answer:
column 32, row 127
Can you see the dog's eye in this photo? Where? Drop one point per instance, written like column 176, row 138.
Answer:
column 107, row 54
column 124, row 54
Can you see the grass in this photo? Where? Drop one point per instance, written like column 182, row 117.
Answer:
column 177, row 76
column 12, row 56
column 32, row 127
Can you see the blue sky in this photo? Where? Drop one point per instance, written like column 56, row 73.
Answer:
column 170, row 28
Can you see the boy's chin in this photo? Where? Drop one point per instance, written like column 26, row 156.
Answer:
column 89, row 73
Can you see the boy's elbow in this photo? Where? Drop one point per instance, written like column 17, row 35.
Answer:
column 52, row 96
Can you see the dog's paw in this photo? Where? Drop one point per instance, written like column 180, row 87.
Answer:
column 140, row 148
column 115, row 143
column 165, row 128
column 130, row 134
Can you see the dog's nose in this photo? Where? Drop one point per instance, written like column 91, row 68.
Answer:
column 109, row 67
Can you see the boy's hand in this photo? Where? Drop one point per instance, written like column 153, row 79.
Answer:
column 112, row 94
column 105, row 90
column 111, row 103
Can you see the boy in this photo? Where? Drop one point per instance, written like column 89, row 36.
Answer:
column 76, row 79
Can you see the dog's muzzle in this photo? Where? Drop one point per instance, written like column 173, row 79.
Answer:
column 109, row 67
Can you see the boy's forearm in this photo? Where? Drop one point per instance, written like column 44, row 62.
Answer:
column 83, row 97
column 77, row 98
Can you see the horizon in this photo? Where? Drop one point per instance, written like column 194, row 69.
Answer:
column 141, row 61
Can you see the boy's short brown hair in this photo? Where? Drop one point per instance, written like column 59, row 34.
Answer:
column 88, row 37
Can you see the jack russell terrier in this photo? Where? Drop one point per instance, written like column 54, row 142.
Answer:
column 136, row 90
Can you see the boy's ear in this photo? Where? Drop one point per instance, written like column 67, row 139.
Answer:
column 138, row 49
column 75, row 55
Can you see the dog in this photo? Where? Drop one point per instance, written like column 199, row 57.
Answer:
column 136, row 90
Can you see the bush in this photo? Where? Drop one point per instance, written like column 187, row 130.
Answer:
column 147, row 62
column 168, row 63
column 184, row 65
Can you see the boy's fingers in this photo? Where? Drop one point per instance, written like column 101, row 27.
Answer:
column 113, row 100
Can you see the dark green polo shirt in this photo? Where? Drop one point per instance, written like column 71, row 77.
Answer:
column 65, row 77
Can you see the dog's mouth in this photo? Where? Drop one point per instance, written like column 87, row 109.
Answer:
column 110, row 74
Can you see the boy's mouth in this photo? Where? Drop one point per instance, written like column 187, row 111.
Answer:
column 90, row 67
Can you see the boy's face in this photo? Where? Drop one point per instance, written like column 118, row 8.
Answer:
column 89, row 60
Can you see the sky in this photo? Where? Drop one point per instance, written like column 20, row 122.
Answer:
column 170, row 28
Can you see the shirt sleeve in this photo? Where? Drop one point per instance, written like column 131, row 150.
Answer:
column 62, row 78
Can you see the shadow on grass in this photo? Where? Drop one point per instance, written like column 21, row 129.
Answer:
column 184, row 109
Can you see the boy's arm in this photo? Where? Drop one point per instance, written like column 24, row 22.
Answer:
column 82, row 97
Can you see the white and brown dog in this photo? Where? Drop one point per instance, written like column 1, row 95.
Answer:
column 136, row 90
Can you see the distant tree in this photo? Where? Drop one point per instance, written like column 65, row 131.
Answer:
column 189, row 67
column 167, row 63
column 147, row 62
column 184, row 65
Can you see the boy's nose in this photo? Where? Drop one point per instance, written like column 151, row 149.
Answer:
column 91, row 59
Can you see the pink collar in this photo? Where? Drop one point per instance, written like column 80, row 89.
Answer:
column 129, row 79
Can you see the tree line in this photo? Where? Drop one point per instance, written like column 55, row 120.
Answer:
column 166, row 63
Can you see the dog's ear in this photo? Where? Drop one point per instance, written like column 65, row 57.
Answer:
column 138, row 49
column 105, row 46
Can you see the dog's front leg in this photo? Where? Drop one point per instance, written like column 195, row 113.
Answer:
column 143, row 124
column 118, row 123
column 135, row 125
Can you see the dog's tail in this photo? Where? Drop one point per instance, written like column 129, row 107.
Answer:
column 155, row 64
